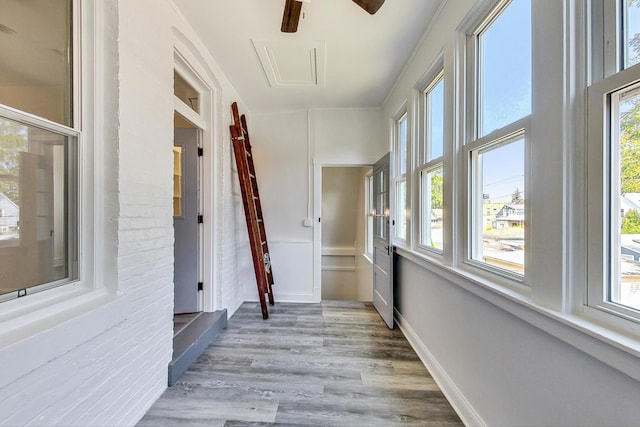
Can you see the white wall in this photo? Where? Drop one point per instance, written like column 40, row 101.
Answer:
column 98, row 355
column 501, row 358
column 500, row 370
column 280, row 152
column 288, row 148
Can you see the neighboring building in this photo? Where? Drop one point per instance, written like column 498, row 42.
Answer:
column 629, row 202
column 9, row 216
column 489, row 212
column 436, row 217
column 509, row 216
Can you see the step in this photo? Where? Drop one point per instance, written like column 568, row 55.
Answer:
column 191, row 341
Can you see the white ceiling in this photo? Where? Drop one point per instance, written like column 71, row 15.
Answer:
column 340, row 57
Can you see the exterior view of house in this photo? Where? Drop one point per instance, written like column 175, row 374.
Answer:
column 509, row 216
column 9, row 216
column 533, row 330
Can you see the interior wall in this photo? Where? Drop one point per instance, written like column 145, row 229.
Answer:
column 342, row 239
column 508, row 371
column 498, row 368
column 280, row 151
column 287, row 145
column 116, row 340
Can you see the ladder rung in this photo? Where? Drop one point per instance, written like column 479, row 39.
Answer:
column 253, row 212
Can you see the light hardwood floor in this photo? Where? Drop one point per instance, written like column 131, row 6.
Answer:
column 333, row 363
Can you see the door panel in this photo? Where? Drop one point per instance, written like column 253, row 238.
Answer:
column 382, row 252
column 185, row 224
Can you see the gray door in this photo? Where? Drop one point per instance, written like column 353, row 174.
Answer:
column 382, row 252
column 185, row 221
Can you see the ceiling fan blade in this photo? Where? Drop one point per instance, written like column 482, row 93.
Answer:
column 370, row 6
column 291, row 16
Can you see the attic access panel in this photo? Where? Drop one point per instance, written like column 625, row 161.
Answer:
column 287, row 63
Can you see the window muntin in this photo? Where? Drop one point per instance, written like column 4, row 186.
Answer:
column 504, row 68
column 501, row 68
column 401, row 178
column 36, row 66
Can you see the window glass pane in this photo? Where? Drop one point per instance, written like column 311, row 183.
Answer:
column 177, row 181
column 435, row 121
column 35, row 187
column 185, row 92
column 402, row 146
column 370, row 215
column 401, row 197
column 35, row 47
column 499, row 199
column 631, row 33
column 380, row 195
column 431, row 235
column 625, row 282
column 505, row 68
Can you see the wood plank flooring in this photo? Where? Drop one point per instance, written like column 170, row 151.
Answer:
column 331, row 364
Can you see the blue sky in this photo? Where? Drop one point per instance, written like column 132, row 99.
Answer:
column 505, row 96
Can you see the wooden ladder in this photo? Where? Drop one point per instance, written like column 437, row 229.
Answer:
column 252, row 208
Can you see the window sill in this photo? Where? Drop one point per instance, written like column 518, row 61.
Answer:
column 616, row 348
column 32, row 332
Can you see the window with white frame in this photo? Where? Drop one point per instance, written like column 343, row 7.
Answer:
column 38, row 148
column 401, row 149
column 430, row 167
column 614, row 163
column 499, row 105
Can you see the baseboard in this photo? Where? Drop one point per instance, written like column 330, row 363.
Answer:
column 284, row 297
column 460, row 404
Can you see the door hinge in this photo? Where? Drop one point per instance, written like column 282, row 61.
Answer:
column 200, row 286
column 200, row 219
column 200, row 151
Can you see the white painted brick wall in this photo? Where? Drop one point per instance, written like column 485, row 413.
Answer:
column 236, row 261
column 113, row 376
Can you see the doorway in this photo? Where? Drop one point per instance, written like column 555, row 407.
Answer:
column 186, row 196
column 345, row 269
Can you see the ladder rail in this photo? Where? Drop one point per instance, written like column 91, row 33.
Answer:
column 252, row 209
column 252, row 171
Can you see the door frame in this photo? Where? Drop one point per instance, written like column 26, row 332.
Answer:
column 317, row 221
column 188, row 65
